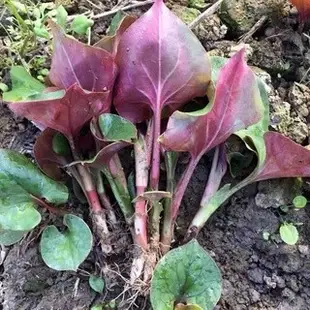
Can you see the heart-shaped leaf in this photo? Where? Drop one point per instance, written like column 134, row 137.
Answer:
column 161, row 63
column 9, row 237
column 96, row 283
column 67, row 114
column 186, row 274
column 116, row 128
column 24, row 86
column 66, row 251
column 20, row 180
column 22, row 171
column 47, row 151
column 73, row 62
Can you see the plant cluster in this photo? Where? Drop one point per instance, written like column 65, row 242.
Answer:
column 128, row 91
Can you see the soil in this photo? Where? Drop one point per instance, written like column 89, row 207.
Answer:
column 257, row 273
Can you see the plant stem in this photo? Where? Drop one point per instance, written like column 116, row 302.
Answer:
column 141, row 162
column 154, row 180
column 168, row 225
column 208, row 207
column 121, row 194
column 105, row 199
column 87, row 181
column 47, row 206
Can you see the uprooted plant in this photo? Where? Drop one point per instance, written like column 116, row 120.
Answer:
column 147, row 69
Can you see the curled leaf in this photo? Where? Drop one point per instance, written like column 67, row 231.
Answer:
column 236, row 105
column 49, row 161
column 66, row 113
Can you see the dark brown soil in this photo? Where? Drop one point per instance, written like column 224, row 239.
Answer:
column 258, row 274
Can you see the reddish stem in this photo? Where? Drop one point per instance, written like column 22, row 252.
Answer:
column 168, row 225
column 141, row 185
column 47, row 206
column 156, row 151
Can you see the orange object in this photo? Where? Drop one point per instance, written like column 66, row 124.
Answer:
column 303, row 7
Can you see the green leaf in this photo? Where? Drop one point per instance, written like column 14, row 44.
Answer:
column 61, row 145
column 24, row 86
column 116, row 20
column 300, row 202
column 41, row 32
column 81, row 24
column 17, row 209
column 217, row 63
column 66, row 251
column 96, row 283
column 97, row 307
column 253, row 136
column 20, row 170
column 116, row 128
column 289, row 233
column 187, row 307
column 186, row 274
column 61, row 16
column 9, row 237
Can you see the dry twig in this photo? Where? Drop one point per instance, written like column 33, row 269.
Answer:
column 211, row 10
column 250, row 33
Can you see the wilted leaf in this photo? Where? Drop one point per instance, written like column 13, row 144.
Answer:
column 186, row 274
column 67, row 250
column 153, row 196
column 24, row 86
column 289, row 233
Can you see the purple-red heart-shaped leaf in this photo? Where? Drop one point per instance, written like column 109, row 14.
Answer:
column 73, row 62
column 48, row 160
column 236, row 105
column 161, row 62
column 284, row 159
column 66, row 113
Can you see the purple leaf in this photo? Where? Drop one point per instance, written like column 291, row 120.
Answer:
column 48, row 160
column 67, row 113
column 73, row 62
column 284, row 159
column 104, row 156
column 111, row 43
column 237, row 105
column 161, row 63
